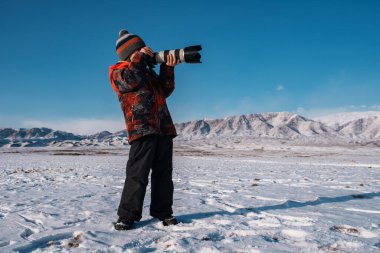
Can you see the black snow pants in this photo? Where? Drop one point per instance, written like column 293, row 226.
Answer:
column 148, row 152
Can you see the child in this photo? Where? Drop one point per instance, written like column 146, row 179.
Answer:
column 150, row 130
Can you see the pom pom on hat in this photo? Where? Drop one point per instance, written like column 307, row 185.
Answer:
column 122, row 32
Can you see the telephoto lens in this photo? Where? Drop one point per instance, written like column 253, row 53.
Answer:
column 188, row 54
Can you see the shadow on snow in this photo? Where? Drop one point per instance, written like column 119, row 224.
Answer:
column 187, row 218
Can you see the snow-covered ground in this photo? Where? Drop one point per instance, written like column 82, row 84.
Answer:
column 261, row 199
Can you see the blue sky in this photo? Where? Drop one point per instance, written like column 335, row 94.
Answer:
column 309, row 57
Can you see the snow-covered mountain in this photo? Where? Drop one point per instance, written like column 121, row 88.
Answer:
column 357, row 125
column 345, row 117
column 36, row 133
column 34, row 137
column 352, row 128
column 40, row 137
column 282, row 125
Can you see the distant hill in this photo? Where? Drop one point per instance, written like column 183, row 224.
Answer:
column 357, row 125
column 343, row 128
column 42, row 137
column 282, row 125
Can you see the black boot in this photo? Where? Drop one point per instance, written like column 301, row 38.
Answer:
column 123, row 224
column 168, row 220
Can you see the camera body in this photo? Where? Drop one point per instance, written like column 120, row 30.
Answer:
column 188, row 54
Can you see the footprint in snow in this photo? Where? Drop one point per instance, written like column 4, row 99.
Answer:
column 212, row 237
column 345, row 229
column 271, row 238
column 74, row 242
column 353, row 231
column 341, row 246
column 67, row 239
column 6, row 243
column 26, row 233
column 296, row 235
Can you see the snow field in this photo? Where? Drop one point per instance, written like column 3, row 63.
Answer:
column 58, row 203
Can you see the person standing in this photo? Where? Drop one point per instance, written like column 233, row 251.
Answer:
column 142, row 95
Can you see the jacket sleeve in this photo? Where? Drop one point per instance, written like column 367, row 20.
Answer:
column 132, row 77
column 167, row 79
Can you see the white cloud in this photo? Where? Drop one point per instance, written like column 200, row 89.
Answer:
column 78, row 126
column 280, row 88
column 319, row 112
column 300, row 110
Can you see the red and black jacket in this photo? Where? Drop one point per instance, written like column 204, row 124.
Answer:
column 142, row 95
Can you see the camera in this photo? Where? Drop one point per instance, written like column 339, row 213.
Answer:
column 188, row 54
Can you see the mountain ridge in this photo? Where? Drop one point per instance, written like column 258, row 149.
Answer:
column 272, row 125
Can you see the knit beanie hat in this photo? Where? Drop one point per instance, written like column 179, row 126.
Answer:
column 127, row 43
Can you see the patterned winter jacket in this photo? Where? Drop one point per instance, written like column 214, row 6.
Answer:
column 142, row 95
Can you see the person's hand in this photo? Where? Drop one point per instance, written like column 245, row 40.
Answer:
column 172, row 61
column 147, row 50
